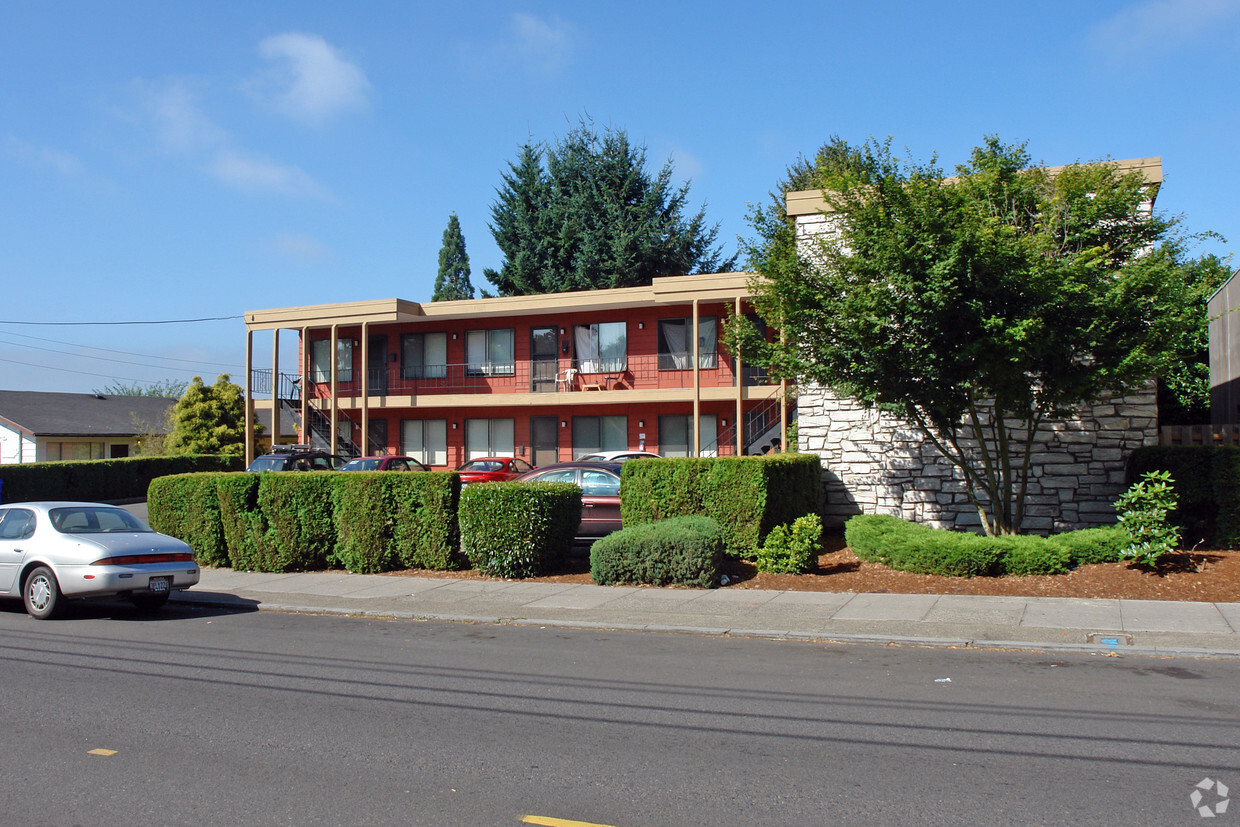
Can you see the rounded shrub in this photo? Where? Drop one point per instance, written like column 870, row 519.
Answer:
column 682, row 551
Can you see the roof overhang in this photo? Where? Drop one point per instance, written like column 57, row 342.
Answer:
column 669, row 290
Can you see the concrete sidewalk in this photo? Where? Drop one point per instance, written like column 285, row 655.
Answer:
column 1087, row 625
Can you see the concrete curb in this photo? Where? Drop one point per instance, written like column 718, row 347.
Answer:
column 238, row 602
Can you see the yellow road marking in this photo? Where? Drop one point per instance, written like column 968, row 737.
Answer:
column 548, row 821
column 102, row 752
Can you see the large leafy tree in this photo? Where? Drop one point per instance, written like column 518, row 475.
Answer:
column 584, row 214
column 978, row 306
column 209, row 419
column 453, row 282
column 1184, row 389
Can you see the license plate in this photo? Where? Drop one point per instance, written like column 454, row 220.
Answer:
column 159, row 584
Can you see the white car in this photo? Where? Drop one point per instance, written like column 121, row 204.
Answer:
column 54, row 551
column 616, row 456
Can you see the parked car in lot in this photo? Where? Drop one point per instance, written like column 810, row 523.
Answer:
column 296, row 458
column 51, row 552
column 492, row 469
column 600, row 493
column 616, row 456
column 384, row 464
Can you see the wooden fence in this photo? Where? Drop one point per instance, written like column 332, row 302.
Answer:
column 1199, row 435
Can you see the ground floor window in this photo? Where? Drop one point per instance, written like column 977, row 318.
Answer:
column 426, row 440
column 57, row 451
column 490, row 438
column 592, row 434
column 676, row 435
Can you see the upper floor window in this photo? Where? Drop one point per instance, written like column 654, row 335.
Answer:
column 676, row 346
column 424, row 355
column 490, row 352
column 320, row 360
column 601, row 348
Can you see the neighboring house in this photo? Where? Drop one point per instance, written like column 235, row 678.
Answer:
column 878, row 463
column 1223, row 311
column 545, row 377
column 37, row 426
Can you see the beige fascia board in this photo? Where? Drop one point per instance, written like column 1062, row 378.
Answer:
column 325, row 315
column 664, row 291
column 812, row 202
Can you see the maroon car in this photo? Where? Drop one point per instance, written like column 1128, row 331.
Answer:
column 600, row 493
column 493, row 469
column 384, row 463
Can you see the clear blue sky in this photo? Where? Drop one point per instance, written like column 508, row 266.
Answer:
column 180, row 160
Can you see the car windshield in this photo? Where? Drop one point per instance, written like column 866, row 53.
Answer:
column 94, row 520
column 268, row 464
column 363, row 465
column 482, row 465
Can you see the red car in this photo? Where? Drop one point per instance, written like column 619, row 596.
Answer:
column 492, row 469
column 600, row 494
column 384, row 463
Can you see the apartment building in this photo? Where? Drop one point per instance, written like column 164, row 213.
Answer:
column 546, row 377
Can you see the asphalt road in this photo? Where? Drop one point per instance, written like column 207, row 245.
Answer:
column 264, row 718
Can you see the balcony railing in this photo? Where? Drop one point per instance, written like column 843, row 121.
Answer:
column 564, row 376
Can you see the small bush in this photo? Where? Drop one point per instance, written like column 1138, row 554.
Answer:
column 683, row 551
column 909, row 547
column 1086, row 546
column 1031, row 554
column 791, row 549
column 1143, row 511
column 514, row 529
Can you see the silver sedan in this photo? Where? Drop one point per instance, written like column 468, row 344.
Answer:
column 53, row 551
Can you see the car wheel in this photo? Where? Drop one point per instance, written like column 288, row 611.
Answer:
column 42, row 594
column 149, row 602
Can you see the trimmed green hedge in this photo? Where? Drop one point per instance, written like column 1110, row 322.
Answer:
column 385, row 520
column 1207, row 485
column 747, row 496
column 188, row 506
column 906, row 546
column 364, row 522
column 101, row 479
column 513, row 529
column 683, row 551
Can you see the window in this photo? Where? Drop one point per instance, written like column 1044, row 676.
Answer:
column 426, row 440
column 601, row 348
column 424, row 355
column 17, row 524
column 489, row 352
column 56, row 451
column 675, row 348
column 489, row 438
column 320, row 366
column 676, row 435
column 592, row 434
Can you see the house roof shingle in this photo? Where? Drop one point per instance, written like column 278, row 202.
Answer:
column 84, row 414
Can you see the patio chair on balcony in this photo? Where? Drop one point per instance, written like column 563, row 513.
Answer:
column 566, row 378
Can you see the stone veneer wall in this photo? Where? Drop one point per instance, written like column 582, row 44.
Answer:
column 876, row 463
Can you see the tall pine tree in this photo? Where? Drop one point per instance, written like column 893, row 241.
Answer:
column 453, row 279
column 592, row 217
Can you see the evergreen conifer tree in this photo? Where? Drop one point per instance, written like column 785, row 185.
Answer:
column 453, row 279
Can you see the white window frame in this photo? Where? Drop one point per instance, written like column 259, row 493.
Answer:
column 482, row 347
